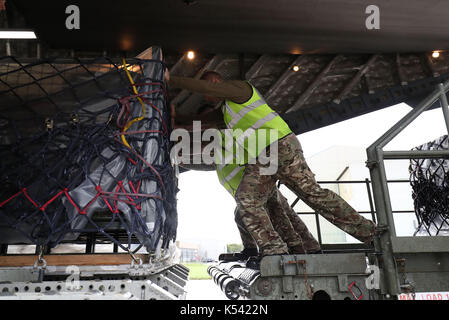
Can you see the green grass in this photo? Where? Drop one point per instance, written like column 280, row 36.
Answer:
column 198, row 271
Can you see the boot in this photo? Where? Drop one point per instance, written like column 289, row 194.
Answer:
column 254, row 262
column 239, row 256
column 246, row 253
column 296, row 250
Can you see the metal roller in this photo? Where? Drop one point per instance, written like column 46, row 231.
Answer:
column 225, row 275
column 220, row 277
column 209, row 268
column 214, row 274
column 230, row 287
column 210, row 271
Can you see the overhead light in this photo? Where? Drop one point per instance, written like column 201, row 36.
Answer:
column 16, row 34
column 190, row 55
column 295, row 68
column 435, row 54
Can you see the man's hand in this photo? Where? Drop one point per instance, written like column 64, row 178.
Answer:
column 167, row 75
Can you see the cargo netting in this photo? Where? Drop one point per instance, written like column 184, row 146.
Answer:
column 429, row 179
column 84, row 148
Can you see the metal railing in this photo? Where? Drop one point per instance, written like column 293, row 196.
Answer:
column 388, row 243
column 368, row 183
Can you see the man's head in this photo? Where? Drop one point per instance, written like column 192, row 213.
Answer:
column 213, row 77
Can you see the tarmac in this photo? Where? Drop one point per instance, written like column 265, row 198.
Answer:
column 204, row 290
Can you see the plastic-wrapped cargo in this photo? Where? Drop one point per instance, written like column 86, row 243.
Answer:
column 84, row 148
column 429, row 179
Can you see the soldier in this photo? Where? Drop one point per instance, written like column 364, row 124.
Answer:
column 285, row 221
column 245, row 109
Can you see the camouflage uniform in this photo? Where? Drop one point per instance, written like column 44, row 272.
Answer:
column 286, row 222
column 247, row 241
column 254, row 191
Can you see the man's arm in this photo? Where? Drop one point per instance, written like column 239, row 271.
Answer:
column 235, row 90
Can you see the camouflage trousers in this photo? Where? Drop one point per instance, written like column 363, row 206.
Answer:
column 285, row 221
column 254, row 190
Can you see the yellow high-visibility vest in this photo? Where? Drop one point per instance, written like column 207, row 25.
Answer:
column 254, row 124
column 229, row 172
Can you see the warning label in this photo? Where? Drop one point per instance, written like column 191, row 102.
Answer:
column 426, row 296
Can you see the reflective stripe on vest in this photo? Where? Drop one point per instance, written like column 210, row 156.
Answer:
column 244, row 111
column 232, row 174
column 229, row 173
column 250, row 131
column 232, row 179
column 247, row 119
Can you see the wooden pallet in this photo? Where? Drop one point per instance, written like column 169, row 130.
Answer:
column 70, row 259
